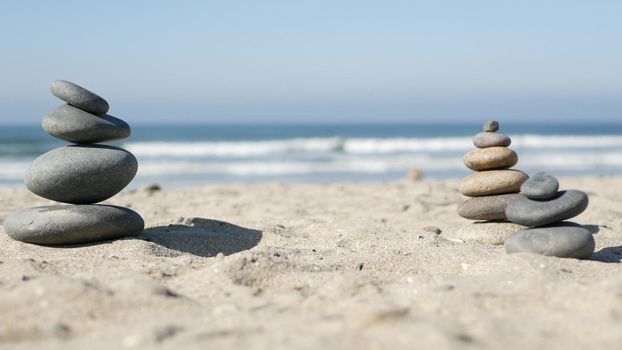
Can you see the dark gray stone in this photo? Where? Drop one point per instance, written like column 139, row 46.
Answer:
column 487, row 207
column 75, row 125
column 563, row 240
column 564, row 205
column 491, row 139
column 81, row 174
column 491, row 125
column 540, row 186
column 79, row 97
column 72, row 224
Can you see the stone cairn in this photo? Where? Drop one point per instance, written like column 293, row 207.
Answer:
column 81, row 174
column 493, row 185
column 542, row 208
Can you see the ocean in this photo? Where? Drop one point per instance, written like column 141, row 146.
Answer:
column 187, row 155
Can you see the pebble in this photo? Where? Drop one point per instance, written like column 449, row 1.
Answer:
column 79, row 97
column 491, row 182
column 540, row 186
column 491, row 126
column 529, row 212
column 432, row 229
column 75, row 125
column 485, row 232
column 563, row 240
column 490, row 158
column 491, row 139
column 81, row 174
column 72, row 224
column 487, row 207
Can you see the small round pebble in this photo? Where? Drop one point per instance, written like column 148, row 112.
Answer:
column 563, row 240
column 486, row 207
column 75, row 125
column 540, row 186
column 490, row 158
column 485, row 183
column 72, row 224
column 80, row 97
column 491, row 126
column 564, row 205
column 491, row 139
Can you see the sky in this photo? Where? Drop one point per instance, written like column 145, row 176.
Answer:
column 317, row 61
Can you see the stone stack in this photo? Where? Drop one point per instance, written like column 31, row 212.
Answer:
column 493, row 185
column 81, row 174
column 543, row 208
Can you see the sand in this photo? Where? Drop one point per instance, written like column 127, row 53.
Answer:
column 311, row 266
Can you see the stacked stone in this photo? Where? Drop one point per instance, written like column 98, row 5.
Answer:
column 544, row 209
column 81, row 174
column 493, row 185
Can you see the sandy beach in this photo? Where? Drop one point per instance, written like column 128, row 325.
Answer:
column 310, row 266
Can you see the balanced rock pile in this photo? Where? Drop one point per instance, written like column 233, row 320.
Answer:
column 81, row 174
column 544, row 209
column 493, row 185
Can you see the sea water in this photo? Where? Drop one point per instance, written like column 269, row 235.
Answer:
column 187, row 155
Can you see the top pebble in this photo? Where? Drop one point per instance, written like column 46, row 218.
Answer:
column 80, row 97
column 491, row 126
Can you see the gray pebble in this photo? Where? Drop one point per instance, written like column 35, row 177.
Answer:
column 487, row 207
column 491, row 139
column 563, row 240
column 81, row 174
column 79, row 97
column 75, row 125
column 540, row 186
column 491, row 125
column 529, row 212
column 72, row 224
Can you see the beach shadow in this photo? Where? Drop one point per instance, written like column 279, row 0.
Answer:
column 608, row 255
column 203, row 237
column 594, row 229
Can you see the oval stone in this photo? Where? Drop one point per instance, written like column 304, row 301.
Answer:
column 491, row 125
column 81, row 174
column 73, row 224
column 79, row 97
column 490, row 158
column 487, row 207
column 486, row 183
column 540, row 186
column 75, row 125
column 563, row 240
column 491, row 139
column 564, row 205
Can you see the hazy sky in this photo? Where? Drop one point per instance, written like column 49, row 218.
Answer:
column 313, row 61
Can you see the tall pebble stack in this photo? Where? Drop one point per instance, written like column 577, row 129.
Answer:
column 80, row 174
column 493, row 185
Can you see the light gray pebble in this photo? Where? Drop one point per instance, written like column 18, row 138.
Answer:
column 78, row 96
column 491, row 139
column 75, row 125
column 491, row 125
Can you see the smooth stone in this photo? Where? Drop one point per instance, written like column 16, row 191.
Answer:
column 491, row 125
column 73, row 224
column 540, row 186
column 81, row 174
column 75, row 125
column 487, row 207
column 563, row 240
column 491, row 139
column 564, row 205
column 486, row 232
column 486, row 183
column 78, row 96
column 490, row 158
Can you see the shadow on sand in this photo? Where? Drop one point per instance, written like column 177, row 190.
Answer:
column 608, row 255
column 203, row 237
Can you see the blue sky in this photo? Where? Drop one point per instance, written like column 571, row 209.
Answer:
column 317, row 61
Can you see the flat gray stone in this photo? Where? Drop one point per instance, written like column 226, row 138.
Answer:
column 540, row 186
column 72, row 224
column 75, row 125
column 78, row 96
column 486, row 232
column 563, row 240
column 81, row 174
column 487, row 207
column 491, row 125
column 564, row 205
column 491, row 139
